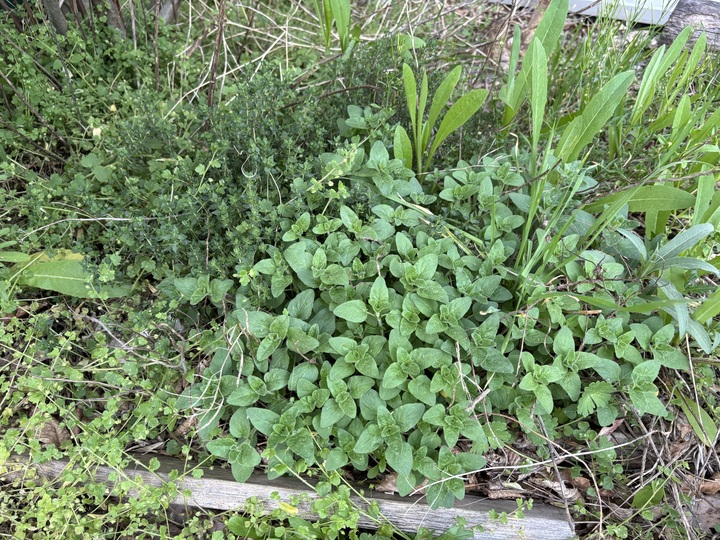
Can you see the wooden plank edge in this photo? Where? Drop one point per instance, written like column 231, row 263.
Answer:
column 217, row 490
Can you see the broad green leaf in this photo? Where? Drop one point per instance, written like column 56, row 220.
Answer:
column 651, row 494
column 461, row 111
column 379, row 296
column 353, row 310
column 301, row 306
column 336, row 459
column 331, row 413
column 407, row 416
column 246, row 458
column 647, row 371
column 263, row 419
column 369, row 439
column 14, row 257
column 399, row 455
column 67, row 277
column 426, row 266
column 342, row 345
column 221, row 447
column 394, row 376
column 644, row 396
column 583, row 129
column 419, row 387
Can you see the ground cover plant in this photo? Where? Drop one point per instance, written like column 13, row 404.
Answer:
column 276, row 259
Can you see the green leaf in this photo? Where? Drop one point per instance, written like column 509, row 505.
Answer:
column 649, row 199
column 394, row 376
column 544, row 398
column 426, row 266
column 353, row 310
column 221, row 447
column 66, row 276
column 432, row 290
column 218, row 289
column 461, row 111
column 266, row 266
column 435, row 415
column 644, row 396
column 243, row 460
column 410, row 85
column 599, row 110
column 440, row 99
column 347, row 404
column 242, row 396
column 407, row 416
column 651, row 494
column 419, row 387
column 336, row 459
column 301, row 306
column 14, row 257
column 331, row 413
column 708, row 309
column 342, row 345
column 538, row 90
column 402, row 148
column 685, row 240
column 267, row 347
column 263, row 419
column 702, row 423
column 564, row 343
column 379, row 296
column 399, row 455
column 369, row 439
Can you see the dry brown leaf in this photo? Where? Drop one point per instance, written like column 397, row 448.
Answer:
column 712, row 486
column 185, row 426
column 51, row 433
column 707, row 511
column 565, row 492
column 388, row 484
column 607, row 430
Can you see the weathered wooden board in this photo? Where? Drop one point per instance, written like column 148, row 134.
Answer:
column 217, row 490
column 704, row 15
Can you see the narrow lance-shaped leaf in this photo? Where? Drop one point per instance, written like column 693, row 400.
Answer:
column 538, row 92
column 410, row 95
column 459, row 113
column 440, row 99
column 402, row 147
column 648, row 199
column 598, row 111
column 685, row 240
column 341, row 14
column 647, row 86
column 548, row 33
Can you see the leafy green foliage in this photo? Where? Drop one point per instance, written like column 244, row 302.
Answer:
column 458, row 114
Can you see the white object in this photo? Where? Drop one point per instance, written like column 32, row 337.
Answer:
column 643, row 11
